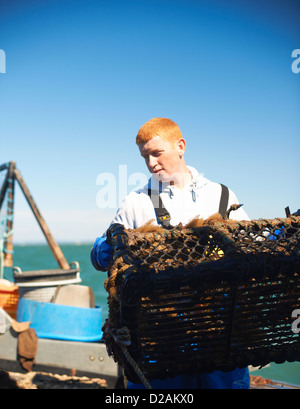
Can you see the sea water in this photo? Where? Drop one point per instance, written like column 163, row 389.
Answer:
column 39, row 257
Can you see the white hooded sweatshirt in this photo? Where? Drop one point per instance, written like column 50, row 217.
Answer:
column 199, row 199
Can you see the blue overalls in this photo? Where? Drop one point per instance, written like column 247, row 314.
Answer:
column 236, row 379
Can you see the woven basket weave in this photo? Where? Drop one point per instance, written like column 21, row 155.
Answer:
column 9, row 297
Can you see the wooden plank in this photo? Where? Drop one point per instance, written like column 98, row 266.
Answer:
column 58, row 254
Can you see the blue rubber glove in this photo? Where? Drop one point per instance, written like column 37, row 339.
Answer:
column 101, row 254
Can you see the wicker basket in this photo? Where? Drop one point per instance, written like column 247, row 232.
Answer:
column 9, row 297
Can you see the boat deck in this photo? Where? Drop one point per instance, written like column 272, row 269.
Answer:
column 63, row 357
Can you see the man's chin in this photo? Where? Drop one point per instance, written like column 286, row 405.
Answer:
column 162, row 176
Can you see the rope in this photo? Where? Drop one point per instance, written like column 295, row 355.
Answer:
column 5, row 219
column 5, row 236
column 122, row 338
column 1, row 258
column 136, row 368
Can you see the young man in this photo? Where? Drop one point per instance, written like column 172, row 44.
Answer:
column 185, row 195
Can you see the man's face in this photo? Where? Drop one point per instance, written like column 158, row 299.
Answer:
column 162, row 157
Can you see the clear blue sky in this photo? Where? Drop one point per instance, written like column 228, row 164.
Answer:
column 83, row 76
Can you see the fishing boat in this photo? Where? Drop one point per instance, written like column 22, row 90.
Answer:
column 48, row 320
column 54, row 303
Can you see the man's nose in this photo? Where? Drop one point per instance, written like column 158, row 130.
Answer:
column 151, row 161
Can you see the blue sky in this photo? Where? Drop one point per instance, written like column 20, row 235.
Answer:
column 83, row 76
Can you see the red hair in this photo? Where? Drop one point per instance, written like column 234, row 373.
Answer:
column 163, row 127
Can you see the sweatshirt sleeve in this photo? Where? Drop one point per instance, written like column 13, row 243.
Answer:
column 125, row 214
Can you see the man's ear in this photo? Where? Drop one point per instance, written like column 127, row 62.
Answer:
column 180, row 146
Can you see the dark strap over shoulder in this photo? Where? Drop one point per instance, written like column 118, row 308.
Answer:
column 163, row 216
column 223, row 200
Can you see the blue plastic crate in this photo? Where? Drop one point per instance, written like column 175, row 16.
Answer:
column 54, row 321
